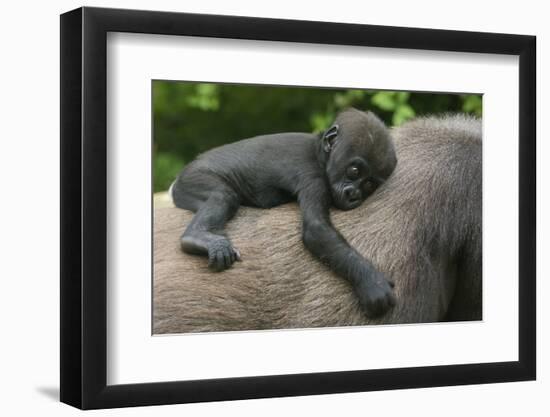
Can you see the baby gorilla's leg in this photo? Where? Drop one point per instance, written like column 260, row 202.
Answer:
column 205, row 234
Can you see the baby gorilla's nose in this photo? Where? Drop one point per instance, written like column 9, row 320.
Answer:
column 351, row 193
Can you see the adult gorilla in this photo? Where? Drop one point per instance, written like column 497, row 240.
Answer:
column 422, row 228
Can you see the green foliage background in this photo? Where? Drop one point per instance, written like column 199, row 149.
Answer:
column 190, row 118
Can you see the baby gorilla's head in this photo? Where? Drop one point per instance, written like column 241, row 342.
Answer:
column 361, row 156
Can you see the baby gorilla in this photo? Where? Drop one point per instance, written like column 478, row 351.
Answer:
column 339, row 167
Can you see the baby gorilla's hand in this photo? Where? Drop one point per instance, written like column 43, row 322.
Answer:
column 375, row 294
column 222, row 254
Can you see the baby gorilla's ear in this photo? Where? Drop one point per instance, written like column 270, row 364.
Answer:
column 329, row 138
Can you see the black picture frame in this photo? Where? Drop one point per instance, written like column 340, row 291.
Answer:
column 84, row 207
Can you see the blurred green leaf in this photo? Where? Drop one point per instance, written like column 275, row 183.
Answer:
column 472, row 104
column 384, row 100
column 402, row 113
column 205, row 97
column 402, row 97
column 348, row 98
column 321, row 121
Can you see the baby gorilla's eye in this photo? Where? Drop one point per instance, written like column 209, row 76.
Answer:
column 352, row 172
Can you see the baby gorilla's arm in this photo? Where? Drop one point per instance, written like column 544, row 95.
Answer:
column 323, row 240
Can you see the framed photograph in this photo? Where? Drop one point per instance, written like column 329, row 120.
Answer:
column 257, row 208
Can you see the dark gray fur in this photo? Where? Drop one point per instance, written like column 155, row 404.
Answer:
column 422, row 227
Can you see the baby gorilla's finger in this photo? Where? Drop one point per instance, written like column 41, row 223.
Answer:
column 227, row 258
column 212, row 264
column 392, row 284
column 215, row 261
column 219, row 261
column 211, row 259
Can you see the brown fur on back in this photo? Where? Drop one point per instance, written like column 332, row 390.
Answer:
column 422, row 228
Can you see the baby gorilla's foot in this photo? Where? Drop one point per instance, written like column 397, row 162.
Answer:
column 222, row 254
